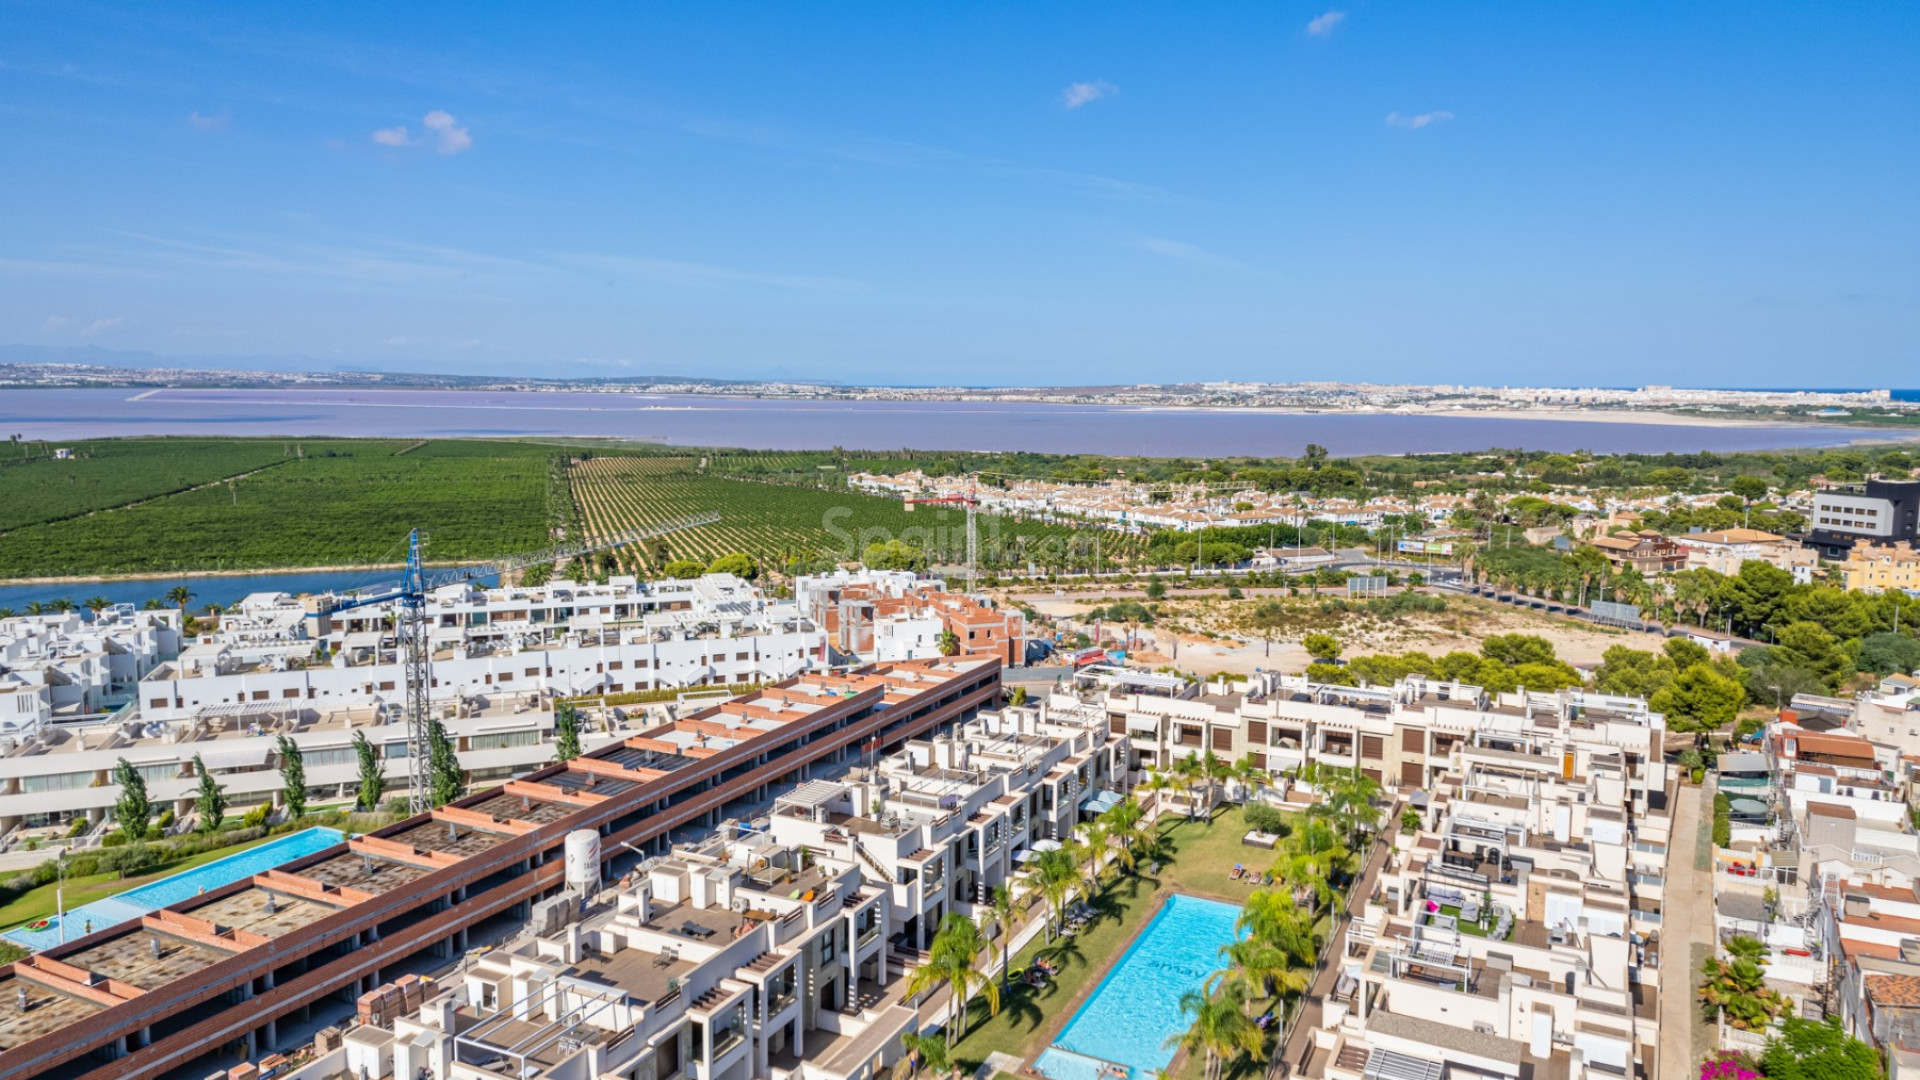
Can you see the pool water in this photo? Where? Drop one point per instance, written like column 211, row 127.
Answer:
column 181, row 886
column 1136, row 1008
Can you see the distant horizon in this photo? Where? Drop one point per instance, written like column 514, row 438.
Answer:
column 260, row 365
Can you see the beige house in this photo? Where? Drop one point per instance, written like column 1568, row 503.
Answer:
column 1878, row 569
column 1724, row 551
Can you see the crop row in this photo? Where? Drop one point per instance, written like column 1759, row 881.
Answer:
column 36, row 487
column 776, row 523
column 352, row 508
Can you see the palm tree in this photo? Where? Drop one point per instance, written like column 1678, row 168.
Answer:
column 1217, row 770
column 1270, row 918
column 927, row 1052
column 1053, row 879
column 1263, row 969
column 62, row 605
column 6, row 613
column 1221, row 1028
column 1252, row 774
column 1738, row 991
column 1158, row 783
column 97, row 604
column 953, row 961
column 35, row 607
column 1189, row 771
column 1001, row 907
column 1091, row 850
column 1124, row 823
column 180, row 596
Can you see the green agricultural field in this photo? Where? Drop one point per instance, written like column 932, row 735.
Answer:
column 36, row 488
column 777, row 521
column 331, row 503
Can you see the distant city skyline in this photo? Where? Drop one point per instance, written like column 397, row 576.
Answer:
column 1702, row 195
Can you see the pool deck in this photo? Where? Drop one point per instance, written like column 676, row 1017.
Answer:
column 144, row 899
column 1098, row 977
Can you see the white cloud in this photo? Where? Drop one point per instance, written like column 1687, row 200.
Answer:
column 398, row 341
column 1322, row 25
column 1081, row 93
column 442, row 131
column 1182, row 251
column 210, row 121
column 57, row 324
column 450, row 137
column 1418, row 120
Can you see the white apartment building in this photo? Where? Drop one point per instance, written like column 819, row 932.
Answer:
column 1406, row 736
column 563, row 639
column 729, row 959
column 1511, row 934
column 771, row 949
column 281, row 666
column 948, row 820
column 66, row 665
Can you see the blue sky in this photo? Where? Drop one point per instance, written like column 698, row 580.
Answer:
column 1611, row 193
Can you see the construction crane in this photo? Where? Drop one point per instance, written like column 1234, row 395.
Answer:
column 970, row 500
column 409, row 595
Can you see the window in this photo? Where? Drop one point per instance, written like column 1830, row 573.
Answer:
column 338, row 755
column 55, row 782
column 501, row 740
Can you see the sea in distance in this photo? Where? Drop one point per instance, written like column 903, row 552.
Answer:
column 767, row 424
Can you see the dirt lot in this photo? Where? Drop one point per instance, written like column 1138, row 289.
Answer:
column 1211, row 634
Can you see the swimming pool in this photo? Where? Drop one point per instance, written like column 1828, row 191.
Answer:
column 1136, row 1008
column 171, row 890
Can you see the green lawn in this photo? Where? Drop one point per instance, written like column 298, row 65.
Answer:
column 1196, row 859
column 39, row 903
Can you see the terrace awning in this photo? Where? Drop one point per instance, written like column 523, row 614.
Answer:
column 235, row 759
column 1102, row 802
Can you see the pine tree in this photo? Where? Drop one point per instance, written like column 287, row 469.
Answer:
column 212, row 801
column 293, row 779
column 566, row 732
column 373, row 783
column 134, row 811
column 446, row 780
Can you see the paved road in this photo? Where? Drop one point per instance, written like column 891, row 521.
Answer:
column 1686, row 919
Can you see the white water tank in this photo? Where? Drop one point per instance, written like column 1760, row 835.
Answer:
column 583, row 860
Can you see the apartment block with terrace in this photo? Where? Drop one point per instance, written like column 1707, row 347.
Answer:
column 1513, row 933
column 1406, row 736
column 948, row 820
column 887, row 615
column 773, row 947
column 302, row 668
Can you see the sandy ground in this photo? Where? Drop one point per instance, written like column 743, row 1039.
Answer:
column 1461, row 627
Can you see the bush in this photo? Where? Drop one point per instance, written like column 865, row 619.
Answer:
column 165, row 820
column 256, row 818
column 1265, row 818
column 79, row 829
column 130, row 860
column 1722, row 820
column 116, row 838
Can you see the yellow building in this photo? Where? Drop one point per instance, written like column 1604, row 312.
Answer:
column 1878, row 569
